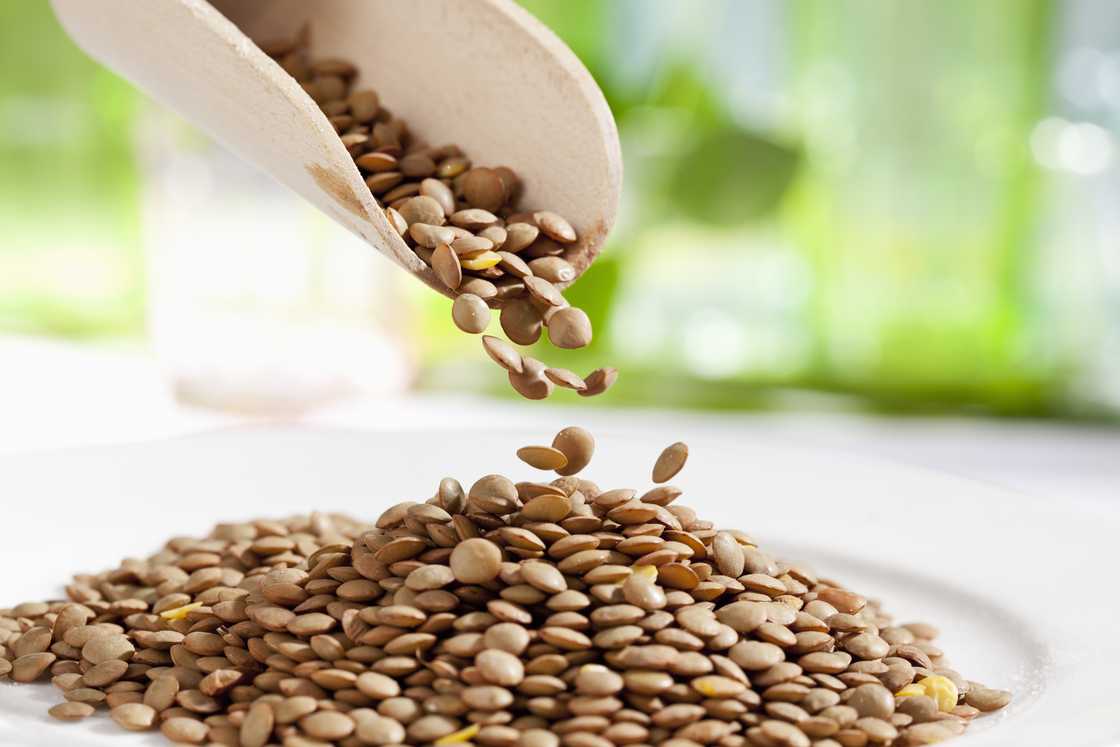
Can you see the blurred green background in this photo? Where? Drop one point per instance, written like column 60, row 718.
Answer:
column 905, row 206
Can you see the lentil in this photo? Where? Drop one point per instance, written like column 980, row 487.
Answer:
column 549, row 614
column 670, row 462
column 71, row 711
column 987, row 699
column 470, row 313
column 134, row 716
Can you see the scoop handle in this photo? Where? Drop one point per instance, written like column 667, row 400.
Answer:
column 189, row 57
column 482, row 73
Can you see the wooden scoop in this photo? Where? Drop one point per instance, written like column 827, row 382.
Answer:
column 483, row 74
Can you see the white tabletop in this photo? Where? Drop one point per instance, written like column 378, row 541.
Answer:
column 55, row 395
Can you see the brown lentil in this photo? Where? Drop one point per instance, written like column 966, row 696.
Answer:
column 134, row 716
column 470, row 313
column 521, row 321
column 543, row 457
column 670, row 462
column 531, row 382
column 577, row 445
column 987, row 699
column 569, row 327
column 71, row 711
column 476, row 561
column 30, row 667
column 598, row 381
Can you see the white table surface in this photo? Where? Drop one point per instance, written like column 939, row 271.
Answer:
column 56, row 395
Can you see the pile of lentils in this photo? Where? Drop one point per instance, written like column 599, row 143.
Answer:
column 512, row 614
column 462, row 221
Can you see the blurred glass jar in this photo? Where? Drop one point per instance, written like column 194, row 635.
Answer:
column 257, row 302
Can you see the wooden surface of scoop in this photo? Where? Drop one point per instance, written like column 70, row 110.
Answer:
column 483, row 74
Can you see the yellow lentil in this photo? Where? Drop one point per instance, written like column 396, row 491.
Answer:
column 910, row 691
column 941, row 689
column 480, row 261
column 707, row 689
column 179, row 613
column 463, row 735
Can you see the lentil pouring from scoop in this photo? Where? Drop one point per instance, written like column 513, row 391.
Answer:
column 462, row 221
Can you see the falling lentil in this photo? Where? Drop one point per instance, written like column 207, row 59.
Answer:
column 460, row 219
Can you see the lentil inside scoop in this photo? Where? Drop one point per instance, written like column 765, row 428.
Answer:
column 542, row 613
column 462, row 220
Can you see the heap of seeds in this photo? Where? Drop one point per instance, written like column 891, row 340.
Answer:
column 461, row 220
column 528, row 614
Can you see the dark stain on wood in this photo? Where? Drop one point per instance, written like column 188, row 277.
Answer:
column 338, row 188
